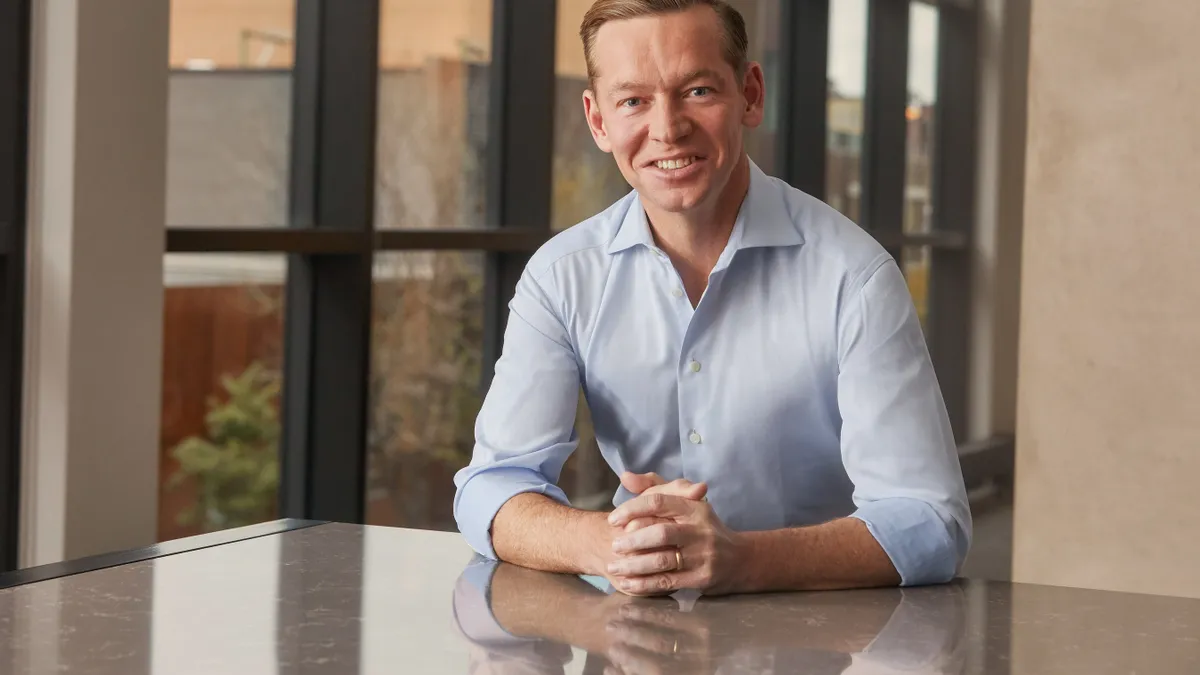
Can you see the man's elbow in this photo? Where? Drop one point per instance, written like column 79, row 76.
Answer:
column 925, row 542
column 473, row 517
column 943, row 560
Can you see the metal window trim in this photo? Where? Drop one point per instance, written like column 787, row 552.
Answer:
column 327, row 320
column 953, row 189
column 521, row 132
column 266, row 240
column 341, row 241
column 804, row 59
column 884, row 131
column 937, row 240
column 15, row 36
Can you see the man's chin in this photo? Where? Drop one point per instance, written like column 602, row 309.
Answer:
column 675, row 201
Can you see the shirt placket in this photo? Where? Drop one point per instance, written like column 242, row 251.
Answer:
column 689, row 366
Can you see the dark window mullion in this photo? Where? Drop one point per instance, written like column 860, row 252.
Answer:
column 328, row 310
column 884, row 124
column 953, row 186
column 520, row 147
column 14, row 134
column 803, row 93
column 336, row 240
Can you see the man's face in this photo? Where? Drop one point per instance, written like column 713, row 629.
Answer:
column 670, row 108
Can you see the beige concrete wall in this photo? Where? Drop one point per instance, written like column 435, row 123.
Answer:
column 93, row 367
column 1108, row 449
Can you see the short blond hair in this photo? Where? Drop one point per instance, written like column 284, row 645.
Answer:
column 737, row 43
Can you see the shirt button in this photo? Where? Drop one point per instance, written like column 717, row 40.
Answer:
column 677, row 292
column 695, row 366
column 694, row 438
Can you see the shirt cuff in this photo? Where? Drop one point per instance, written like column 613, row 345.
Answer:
column 482, row 495
column 915, row 537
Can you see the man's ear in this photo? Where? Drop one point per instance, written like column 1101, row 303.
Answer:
column 591, row 110
column 754, row 91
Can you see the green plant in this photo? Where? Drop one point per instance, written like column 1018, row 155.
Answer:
column 236, row 466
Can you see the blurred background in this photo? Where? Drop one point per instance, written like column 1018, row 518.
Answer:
column 255, row 255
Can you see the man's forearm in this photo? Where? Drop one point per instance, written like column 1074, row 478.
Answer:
column 532, row 530
column 835, row 555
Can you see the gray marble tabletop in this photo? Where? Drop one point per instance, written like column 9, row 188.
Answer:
column 349, row 599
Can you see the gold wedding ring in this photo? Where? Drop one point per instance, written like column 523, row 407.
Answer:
column 678, row 560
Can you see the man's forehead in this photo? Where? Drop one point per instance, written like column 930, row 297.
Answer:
column 698, row 22
column 638, row 49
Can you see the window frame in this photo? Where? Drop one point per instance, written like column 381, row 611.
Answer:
column 15, row 55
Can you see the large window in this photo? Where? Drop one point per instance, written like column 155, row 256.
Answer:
column 355, row 187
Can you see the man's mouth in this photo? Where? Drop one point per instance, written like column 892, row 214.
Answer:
column 673, row 164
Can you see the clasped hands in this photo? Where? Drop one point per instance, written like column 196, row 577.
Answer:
column 667, row 539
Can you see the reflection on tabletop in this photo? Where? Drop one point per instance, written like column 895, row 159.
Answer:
column 522, row 621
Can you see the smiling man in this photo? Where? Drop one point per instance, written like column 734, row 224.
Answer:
column 731, row 334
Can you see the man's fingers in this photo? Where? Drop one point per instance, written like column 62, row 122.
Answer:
column 639, row 523
column 648, row 638
column 637, row 483
column 659, row 535
column 651, row 505
column 654, row 562
column 650, row 483
column 654, row 584
column 633, row 660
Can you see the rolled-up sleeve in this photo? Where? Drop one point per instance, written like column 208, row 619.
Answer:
column 525, row 429
column 897, row 444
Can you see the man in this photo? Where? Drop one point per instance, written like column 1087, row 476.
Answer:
column 730, row 333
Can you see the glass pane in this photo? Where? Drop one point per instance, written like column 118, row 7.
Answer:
column 228, row 116
column 921, row 116
column 915, row 261
column 222, row 360
column 432, row 113
column 847, row 84
column 426, row 361
column 762, row 26
column 586, row 180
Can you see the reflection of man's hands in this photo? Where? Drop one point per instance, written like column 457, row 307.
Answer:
column 652, row 637
column 554, row 606
column 921, row 630
column 635, row 635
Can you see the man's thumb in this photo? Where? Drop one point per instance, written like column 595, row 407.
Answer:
column 697, row 491
column 637, row 483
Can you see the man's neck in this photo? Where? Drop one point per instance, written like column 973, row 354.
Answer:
column 695, row 240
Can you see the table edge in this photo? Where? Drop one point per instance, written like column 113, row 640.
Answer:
column 66, row 568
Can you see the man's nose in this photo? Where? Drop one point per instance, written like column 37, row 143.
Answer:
column 669, row 123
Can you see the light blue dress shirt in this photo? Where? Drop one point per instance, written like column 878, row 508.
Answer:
column 799, row 388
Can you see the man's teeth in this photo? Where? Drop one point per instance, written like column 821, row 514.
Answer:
column 674, row 163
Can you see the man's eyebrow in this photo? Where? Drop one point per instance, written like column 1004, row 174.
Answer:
column 702, row 74
column 625, row 86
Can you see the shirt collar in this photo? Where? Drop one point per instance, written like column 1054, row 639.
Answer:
column 763, row 220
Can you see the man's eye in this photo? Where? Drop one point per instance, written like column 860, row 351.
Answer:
column 631, row 103
column 701, row 91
